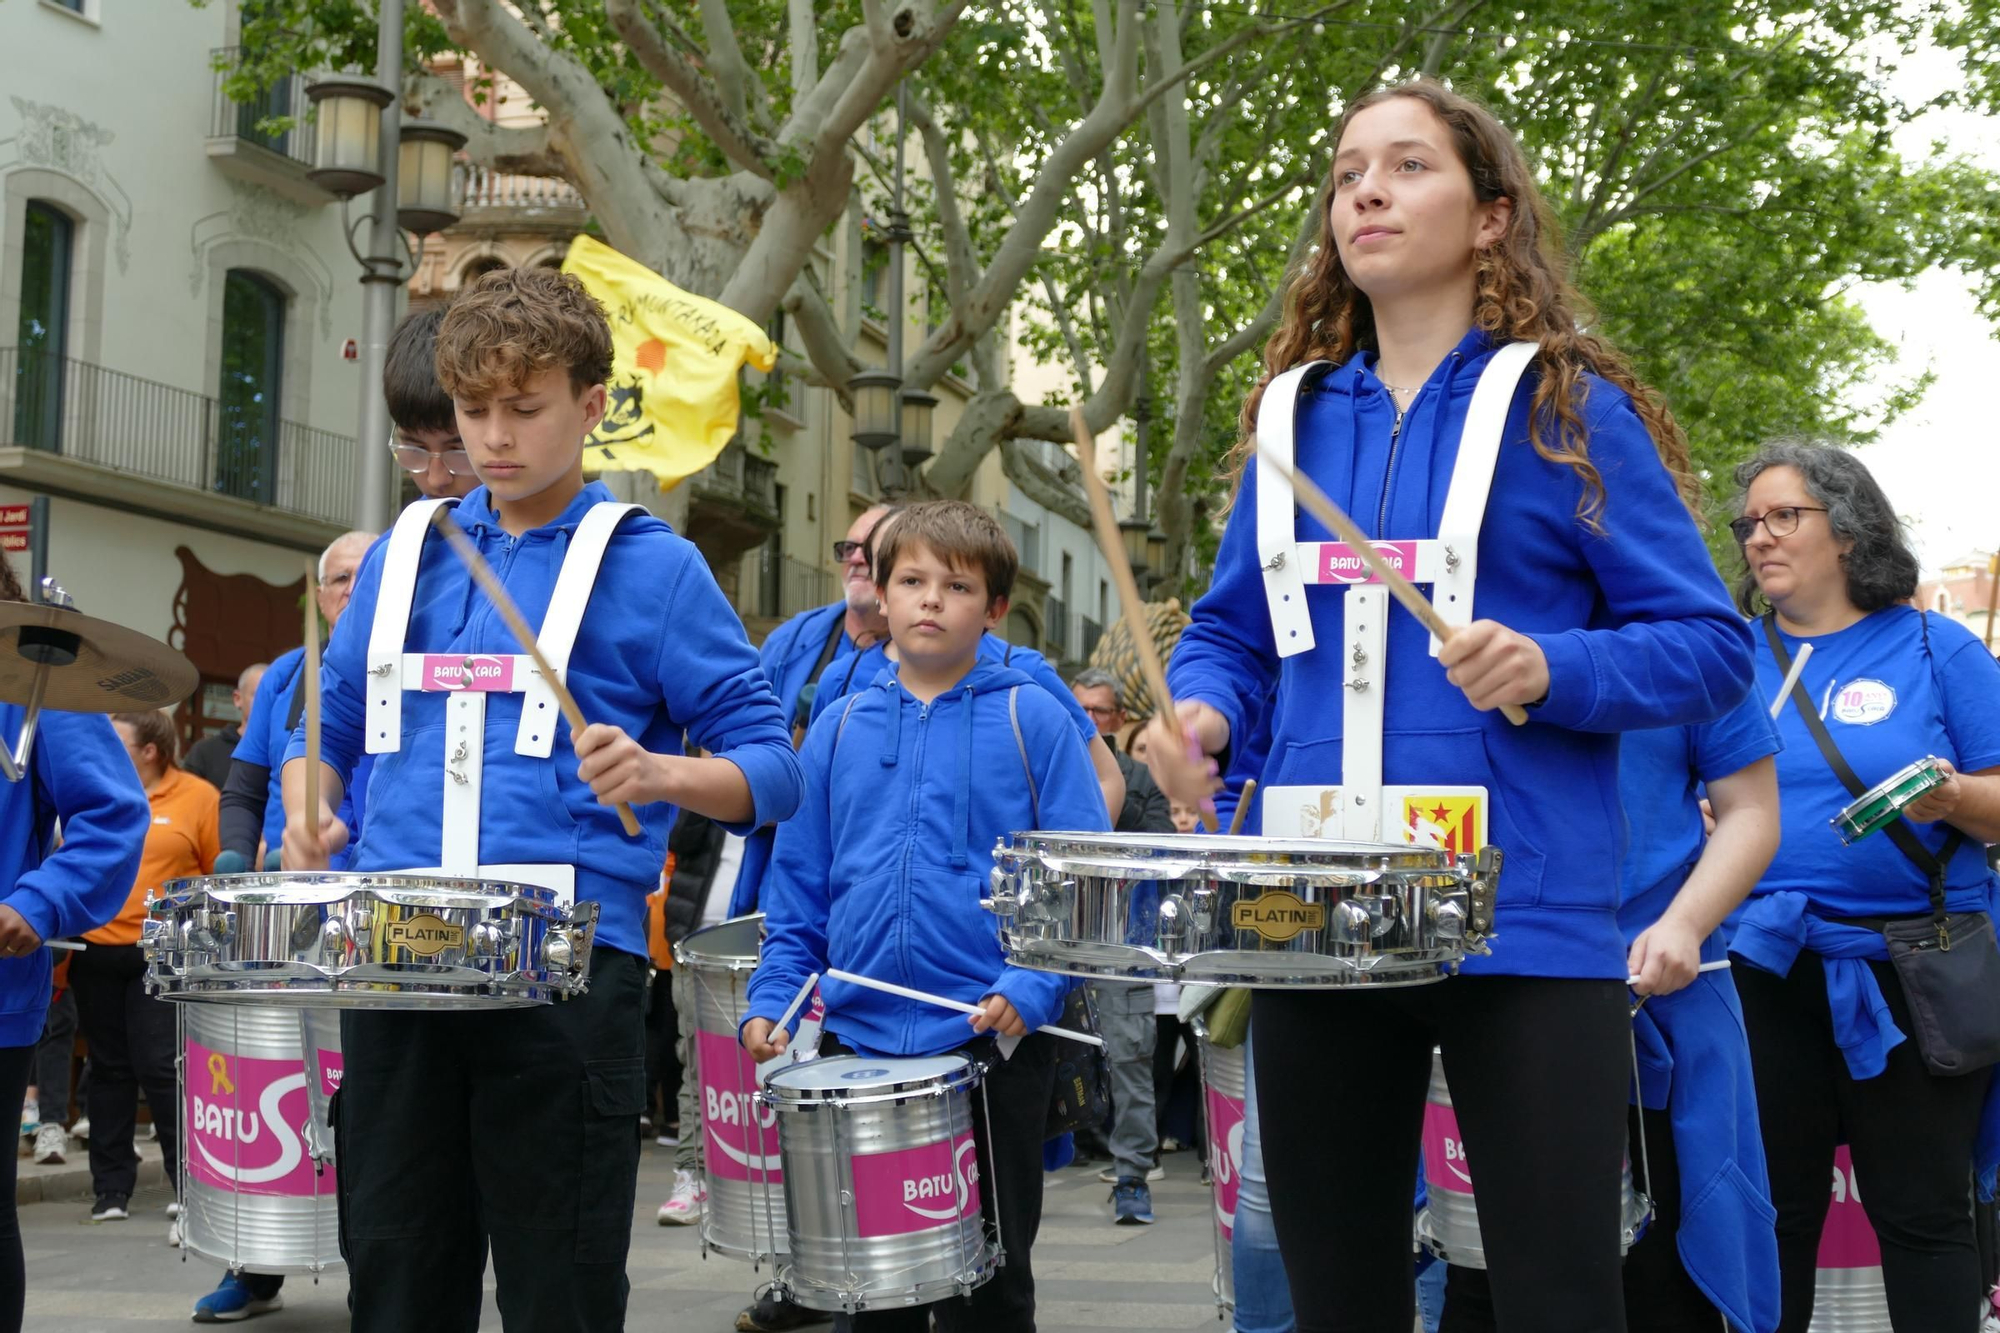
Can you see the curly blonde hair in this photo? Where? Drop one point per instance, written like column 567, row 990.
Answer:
column 514, row 323
column 1523, row 294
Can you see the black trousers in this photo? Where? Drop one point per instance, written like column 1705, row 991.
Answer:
column 516, row 1129
column 132, row 1037
column 1910, row 1133
column 15, row 1062
column 1539, row 1073
column 663, row 1064
column 1660, row 1297
column 52, row 1059
column 1008, row 1123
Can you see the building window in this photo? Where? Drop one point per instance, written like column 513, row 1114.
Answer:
column 874, row 272
column 43, row 334
column 253, row 347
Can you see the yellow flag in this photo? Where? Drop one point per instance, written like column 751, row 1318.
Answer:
column 674, row 357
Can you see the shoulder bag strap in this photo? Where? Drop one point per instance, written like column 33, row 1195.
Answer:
column 1932, row 864
column 1014, row 716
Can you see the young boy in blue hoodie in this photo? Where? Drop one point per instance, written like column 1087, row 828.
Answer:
column 516, row 1130
column 81, row 775
column 908, row 785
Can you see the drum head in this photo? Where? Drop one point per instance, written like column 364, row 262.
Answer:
column 726, row 942
column 838, row 1076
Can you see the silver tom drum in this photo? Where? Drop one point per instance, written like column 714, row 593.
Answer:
column 366, row 941
column 1448, row 1225
column 881, row 1181
column 1240, row 911
column 739, row 1136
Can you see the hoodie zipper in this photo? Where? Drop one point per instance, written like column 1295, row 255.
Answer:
column 1389, row 472
column 903, row 885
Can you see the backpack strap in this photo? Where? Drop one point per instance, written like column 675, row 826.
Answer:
column 1014, row 716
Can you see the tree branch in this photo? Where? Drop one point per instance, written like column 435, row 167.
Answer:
column 960, row 259
column 724, row 123
column 825, row 345
column 524, row 149
column 725, row 60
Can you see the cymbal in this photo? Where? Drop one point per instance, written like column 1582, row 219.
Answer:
column 94, row 665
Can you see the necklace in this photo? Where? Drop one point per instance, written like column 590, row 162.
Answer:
column 1397, row 388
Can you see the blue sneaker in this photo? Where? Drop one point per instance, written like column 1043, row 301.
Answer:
column 232, row 1301
column 1131, row 1203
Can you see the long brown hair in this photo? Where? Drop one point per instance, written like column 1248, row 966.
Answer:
column 1523, row 295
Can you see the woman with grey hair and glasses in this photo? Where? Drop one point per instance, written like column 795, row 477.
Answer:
column 1837, row 1053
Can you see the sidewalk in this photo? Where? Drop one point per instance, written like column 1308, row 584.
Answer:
column 36, row 1183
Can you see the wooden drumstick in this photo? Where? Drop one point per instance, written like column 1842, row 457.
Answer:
column 1133, row 609
column 489, row 583
column 1242, row 807
column 1321, row 507
column 311, row 685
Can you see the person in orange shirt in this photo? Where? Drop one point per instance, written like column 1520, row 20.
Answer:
column 131, row 1033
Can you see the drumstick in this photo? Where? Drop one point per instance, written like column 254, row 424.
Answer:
column 798, row 1002
column 1715, row 966
column 1791, row 679
column 1242, row 807
column 311, row 686
column 489, row 583
column 891, row 988
column 1133, row 609
column 71, row 945
column 1326, row 511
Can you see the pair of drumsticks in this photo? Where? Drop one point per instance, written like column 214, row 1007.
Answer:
column 496, row 592
column 1317, row 503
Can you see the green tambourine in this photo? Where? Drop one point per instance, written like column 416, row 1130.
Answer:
column 1882, row 803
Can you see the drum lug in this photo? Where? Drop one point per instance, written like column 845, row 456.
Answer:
column 1352, row 923
column 1204, row 908
column 1176, row 925
column 335, row 940
column 1447, row 917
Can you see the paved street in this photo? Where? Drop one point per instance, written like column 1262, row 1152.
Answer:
column 122, row 1277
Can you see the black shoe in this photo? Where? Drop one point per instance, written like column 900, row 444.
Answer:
column 772, row 1313
column 111, row 1208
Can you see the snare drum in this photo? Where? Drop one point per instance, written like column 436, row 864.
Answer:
column 1223, row 1095
column 1240, row 910
column 881, row 1181
column 1881, row 804
column 257, row 1189
column 1448, row 1225
column 1848, row 1294
column 366, row 941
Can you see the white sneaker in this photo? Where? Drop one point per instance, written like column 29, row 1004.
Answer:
column 174, row 1208
column 684, row 1207
column 174, row 1233
column 80, row 1131
column 1109, row 1175
column 49, row 1144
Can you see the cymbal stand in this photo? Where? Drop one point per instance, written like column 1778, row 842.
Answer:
column 46, row 647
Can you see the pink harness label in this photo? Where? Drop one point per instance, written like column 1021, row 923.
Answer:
column 915, row 1189
column 329, row 1072
column 1848, row 1241
column 244, row 1121
column 1225, row 1129
column 1339, row 564
column 447, row 671
column 740, row 1137
column 1445, row 1167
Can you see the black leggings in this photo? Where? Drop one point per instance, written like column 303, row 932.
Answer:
column 1539, row 1072
column 15, row 1062
column 1660, row 1297
column 1910, row 1133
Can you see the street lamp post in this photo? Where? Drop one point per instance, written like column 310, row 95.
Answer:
column 885, row 416
column 381, row 276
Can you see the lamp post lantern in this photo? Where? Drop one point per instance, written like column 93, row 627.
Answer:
column 425, row 201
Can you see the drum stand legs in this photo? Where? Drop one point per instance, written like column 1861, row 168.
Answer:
column 14, row 763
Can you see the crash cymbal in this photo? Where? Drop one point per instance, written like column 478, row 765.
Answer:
column 94, row 665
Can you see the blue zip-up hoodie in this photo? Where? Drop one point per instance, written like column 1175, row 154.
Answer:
column 264, row 745
column 81, row 775
column 1635, row 623
column 660, row 653
column 882, row 870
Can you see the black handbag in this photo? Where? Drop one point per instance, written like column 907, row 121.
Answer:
column 1082, row 1094
column 1949, row 964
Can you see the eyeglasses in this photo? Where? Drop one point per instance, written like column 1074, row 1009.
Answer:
column 1780, row 522
column 844, row 551
column 414, row 458
column 1101, row 712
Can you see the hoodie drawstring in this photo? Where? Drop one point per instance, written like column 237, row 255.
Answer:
column 892, row 730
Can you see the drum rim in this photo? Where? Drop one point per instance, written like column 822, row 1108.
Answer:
column 1198, row 846
column 731, row 961
column 311, row 886
column 967, row 1074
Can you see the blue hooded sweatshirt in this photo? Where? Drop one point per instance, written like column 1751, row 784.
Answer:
column 660, row 653
column 882, row 870
column 82, row 776
column 263, row 743
column 1635, row 624
column 1693, row 1049
column 850, row 672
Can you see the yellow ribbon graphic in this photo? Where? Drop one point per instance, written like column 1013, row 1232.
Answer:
column 218, row 1074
